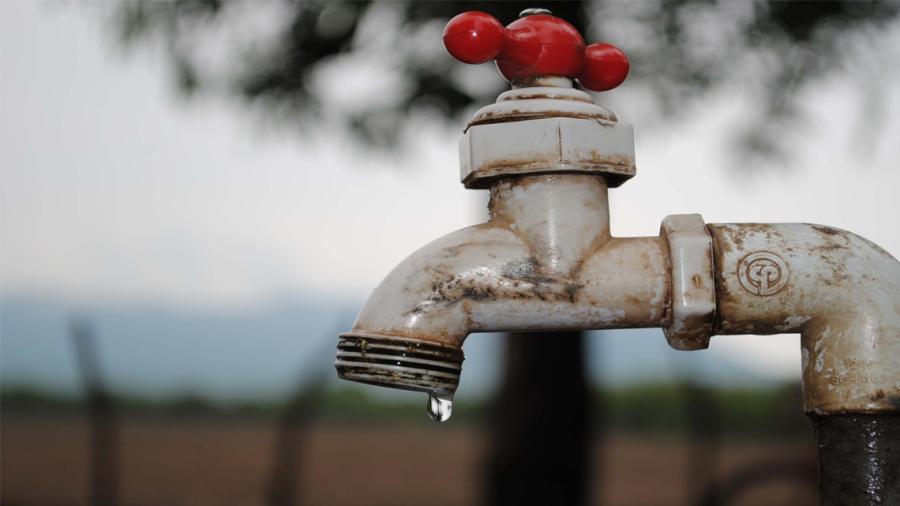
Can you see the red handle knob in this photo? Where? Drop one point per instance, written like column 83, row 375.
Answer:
column 541, row 45
column 535, row 45
column 474, row 37
column 605, row 67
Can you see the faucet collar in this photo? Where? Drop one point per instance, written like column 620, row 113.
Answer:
column 545, row 130
column 540, row 102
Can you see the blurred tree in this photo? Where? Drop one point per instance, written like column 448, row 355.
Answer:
column 366, row 66
column 540, row 428
column 103, row 436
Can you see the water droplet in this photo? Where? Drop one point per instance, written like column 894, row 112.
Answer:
column 440, row 406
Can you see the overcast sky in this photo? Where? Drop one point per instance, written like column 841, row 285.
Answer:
column 114, row 190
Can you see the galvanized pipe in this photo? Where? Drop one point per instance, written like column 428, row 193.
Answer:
column 858, row 459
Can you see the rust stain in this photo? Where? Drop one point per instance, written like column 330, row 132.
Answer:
column 528, row 160
column 618, row 163
column 467, row 311
column 826, row 230
column 559, row 143
column 537, row 96
column 616, row 168
column 490, row 117
column 519, row 280
column 600, row 157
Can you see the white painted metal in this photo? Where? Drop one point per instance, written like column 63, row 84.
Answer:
column 529, row 103
column 541, row 130
column 538, row 146
column 693, row 283
column 840, row 291
column 544, row 261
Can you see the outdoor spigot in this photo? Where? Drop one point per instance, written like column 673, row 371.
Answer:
column 409, row 334
column 546, row 261
column 536, row 45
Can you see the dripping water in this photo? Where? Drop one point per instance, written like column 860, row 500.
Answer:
column 440, row 406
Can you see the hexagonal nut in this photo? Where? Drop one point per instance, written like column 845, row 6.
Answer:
column 540, row 146
column 693, row 281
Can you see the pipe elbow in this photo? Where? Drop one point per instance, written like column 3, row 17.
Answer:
column 840, row 291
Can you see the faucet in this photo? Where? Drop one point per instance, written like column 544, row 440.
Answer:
column 545, row 260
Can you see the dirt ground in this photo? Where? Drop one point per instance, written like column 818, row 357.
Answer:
column 178, row 462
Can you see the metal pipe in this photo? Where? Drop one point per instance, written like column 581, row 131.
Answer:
column 858, row 459
column 839, row 291
column 842, row 294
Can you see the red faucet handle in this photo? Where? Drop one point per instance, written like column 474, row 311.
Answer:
column 605, row 67
column 474, row 37
column 537, row 44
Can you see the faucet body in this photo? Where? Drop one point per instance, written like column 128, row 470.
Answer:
column 544, row 261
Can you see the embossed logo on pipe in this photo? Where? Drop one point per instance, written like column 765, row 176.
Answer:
column 763, row 273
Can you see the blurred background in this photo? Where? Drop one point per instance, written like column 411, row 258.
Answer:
column 197, row 197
